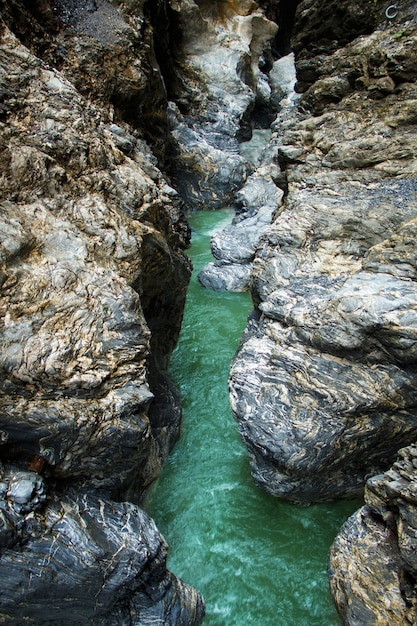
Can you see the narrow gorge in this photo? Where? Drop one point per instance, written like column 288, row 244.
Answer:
column 279, row 395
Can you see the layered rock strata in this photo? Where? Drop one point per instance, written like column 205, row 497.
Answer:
column 103, row 561
column 87, row 219
column 323, row 385
column 260, row 197
column 93, row 280
column 373, row 568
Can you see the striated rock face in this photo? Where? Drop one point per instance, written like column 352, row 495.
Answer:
column 234, row 247
column 323, row 385
column 93, row 278
column 84, row 227
column 219, row 83
column 104, row 561
column 373, row 568
column 105, row 49
column 259, row 199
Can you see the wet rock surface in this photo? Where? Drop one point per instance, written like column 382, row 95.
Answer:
column 259, row 198
column 234, row 247
column 105, row 561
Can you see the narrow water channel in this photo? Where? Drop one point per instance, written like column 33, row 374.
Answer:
column 256, row 560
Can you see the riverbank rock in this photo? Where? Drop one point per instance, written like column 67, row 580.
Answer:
column 219, row 85
column 373, row 568
column 84, row 228
column 93, row 278
column 104, row 561
column 323, row 385
column 234, row 247
column 261, row 196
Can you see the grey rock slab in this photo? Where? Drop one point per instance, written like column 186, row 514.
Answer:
column 224, row 276
column 238, row 242
column 316, row 424
column 88, row 559
column 235, row 245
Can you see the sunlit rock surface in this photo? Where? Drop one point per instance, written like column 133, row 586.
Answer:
column 93, row 278
column 323, row 385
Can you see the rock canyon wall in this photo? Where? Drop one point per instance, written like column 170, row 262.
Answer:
column 323, row 385
column 117, row 117
column 93, row 282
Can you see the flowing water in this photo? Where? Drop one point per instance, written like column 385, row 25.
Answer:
column 256, row 560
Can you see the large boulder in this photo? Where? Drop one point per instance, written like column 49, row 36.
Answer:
column 84, row 559
column 323, row 385
column 373, row 567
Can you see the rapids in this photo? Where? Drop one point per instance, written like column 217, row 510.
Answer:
column 255, row 559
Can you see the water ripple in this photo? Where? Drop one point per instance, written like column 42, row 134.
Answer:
column 256, row 560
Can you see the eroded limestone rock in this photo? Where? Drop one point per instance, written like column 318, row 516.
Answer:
column 260, row 197
column 221, row 82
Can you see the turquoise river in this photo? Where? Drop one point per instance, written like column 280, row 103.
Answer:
column 256, row 560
